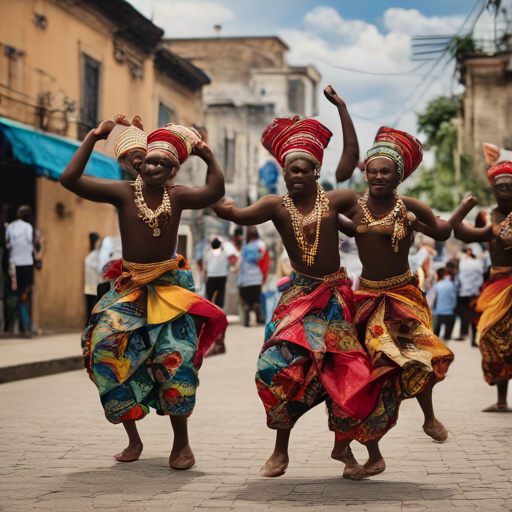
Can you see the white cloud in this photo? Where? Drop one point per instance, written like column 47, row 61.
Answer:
column 328, row 40
column 412, row 22
column 190, row 18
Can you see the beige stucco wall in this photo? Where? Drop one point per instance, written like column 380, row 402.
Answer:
column 59, row 286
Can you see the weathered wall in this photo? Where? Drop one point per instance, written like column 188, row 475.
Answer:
column 59, row 286
column 487, row 107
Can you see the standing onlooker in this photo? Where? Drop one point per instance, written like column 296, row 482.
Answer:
column 92, row 276
column 218, row 258
column 3, row 266
column 251, row 275
column 471, row 278
column 20, row 239
column 445, row 303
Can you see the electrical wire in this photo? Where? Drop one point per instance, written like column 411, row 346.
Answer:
column 429, row 83
column 371, row 72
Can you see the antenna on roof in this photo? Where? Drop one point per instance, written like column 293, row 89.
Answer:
column 217, row 29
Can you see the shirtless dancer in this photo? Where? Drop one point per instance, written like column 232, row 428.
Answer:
column 495, row 302
column 311, row 352
column 141, row 347
column 393, row 318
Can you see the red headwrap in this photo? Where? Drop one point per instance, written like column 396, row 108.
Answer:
column 504, row 167
column 402, row 148
column 168, row 140
column 286, row 135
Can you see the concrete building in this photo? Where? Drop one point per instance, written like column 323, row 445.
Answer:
column 251, row 83
column 487, row 105
column 64, row 66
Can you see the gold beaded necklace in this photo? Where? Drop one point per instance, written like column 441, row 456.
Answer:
column 149, row 216
column 397, row 218
column 299, row 221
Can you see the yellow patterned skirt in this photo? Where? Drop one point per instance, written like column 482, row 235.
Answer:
column 397, row 325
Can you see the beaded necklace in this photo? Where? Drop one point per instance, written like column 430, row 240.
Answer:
column 149, row 216
column 397, row 218
column 299, row 221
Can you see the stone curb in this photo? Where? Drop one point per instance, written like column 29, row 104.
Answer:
column 40, row 369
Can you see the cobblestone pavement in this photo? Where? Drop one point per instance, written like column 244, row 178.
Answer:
column 56, row 449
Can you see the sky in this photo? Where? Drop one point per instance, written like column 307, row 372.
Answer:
column 367, row 35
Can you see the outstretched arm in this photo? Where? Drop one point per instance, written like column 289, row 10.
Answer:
column 465, row 232
column 465, row 206
column 195, row 198
column 261, row 211
column 350, row 155
column 427, row 222
column 346, row 226
column 94, row 189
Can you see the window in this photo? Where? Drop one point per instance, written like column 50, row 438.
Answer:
column 90, row 93
column 166, row 115
column 296, row 92
column 229, row 159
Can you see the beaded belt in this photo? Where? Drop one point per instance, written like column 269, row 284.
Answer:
column 141, row 274
column 386, row 283
column 341, row 273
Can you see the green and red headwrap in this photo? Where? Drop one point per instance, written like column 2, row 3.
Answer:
column 400, row 147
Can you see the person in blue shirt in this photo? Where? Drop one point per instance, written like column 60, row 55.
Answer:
column 445, row 303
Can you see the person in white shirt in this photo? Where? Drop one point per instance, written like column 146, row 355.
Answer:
column 20, row 240
column 92, row 277
column 470, row 279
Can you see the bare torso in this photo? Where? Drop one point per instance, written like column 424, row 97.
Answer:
column 139, row 244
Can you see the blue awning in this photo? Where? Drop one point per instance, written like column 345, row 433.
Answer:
column 49, row 154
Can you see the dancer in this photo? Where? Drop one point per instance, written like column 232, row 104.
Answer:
column 311, row 353
column 147, row 336
column 495, row 302
column 393, row 318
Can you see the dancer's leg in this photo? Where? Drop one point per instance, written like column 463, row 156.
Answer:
column 181, row 456
column 134, row 449
column 432, row 426
column 278, row 462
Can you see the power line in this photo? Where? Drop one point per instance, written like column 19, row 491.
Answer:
column 371, row 72
column 422, row 82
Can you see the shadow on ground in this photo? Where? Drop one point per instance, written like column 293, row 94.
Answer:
column 147, row 476
column 329, row 491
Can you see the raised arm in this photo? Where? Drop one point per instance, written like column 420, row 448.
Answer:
column 98, row 190
column 259, row 212
column 195, row 198
column 350, row 155
column 428, row 223
column 465, row 206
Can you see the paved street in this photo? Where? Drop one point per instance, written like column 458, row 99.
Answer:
column 56, row 449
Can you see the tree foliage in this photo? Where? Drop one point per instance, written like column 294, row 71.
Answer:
column 437, row 186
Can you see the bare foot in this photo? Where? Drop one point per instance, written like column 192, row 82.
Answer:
column 276, row 465
column 130, row 453
column 497, row 408
column 436, row 431
column 369, row 469
column 345, row 456
column 182, row 458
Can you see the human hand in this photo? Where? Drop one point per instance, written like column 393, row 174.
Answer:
column 470, row 200
column 103, row 129
column 202, row 150
column 492, row 153
column 333, row 97
column 121, row 119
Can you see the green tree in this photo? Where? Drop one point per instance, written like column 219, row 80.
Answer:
column 438, row 185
